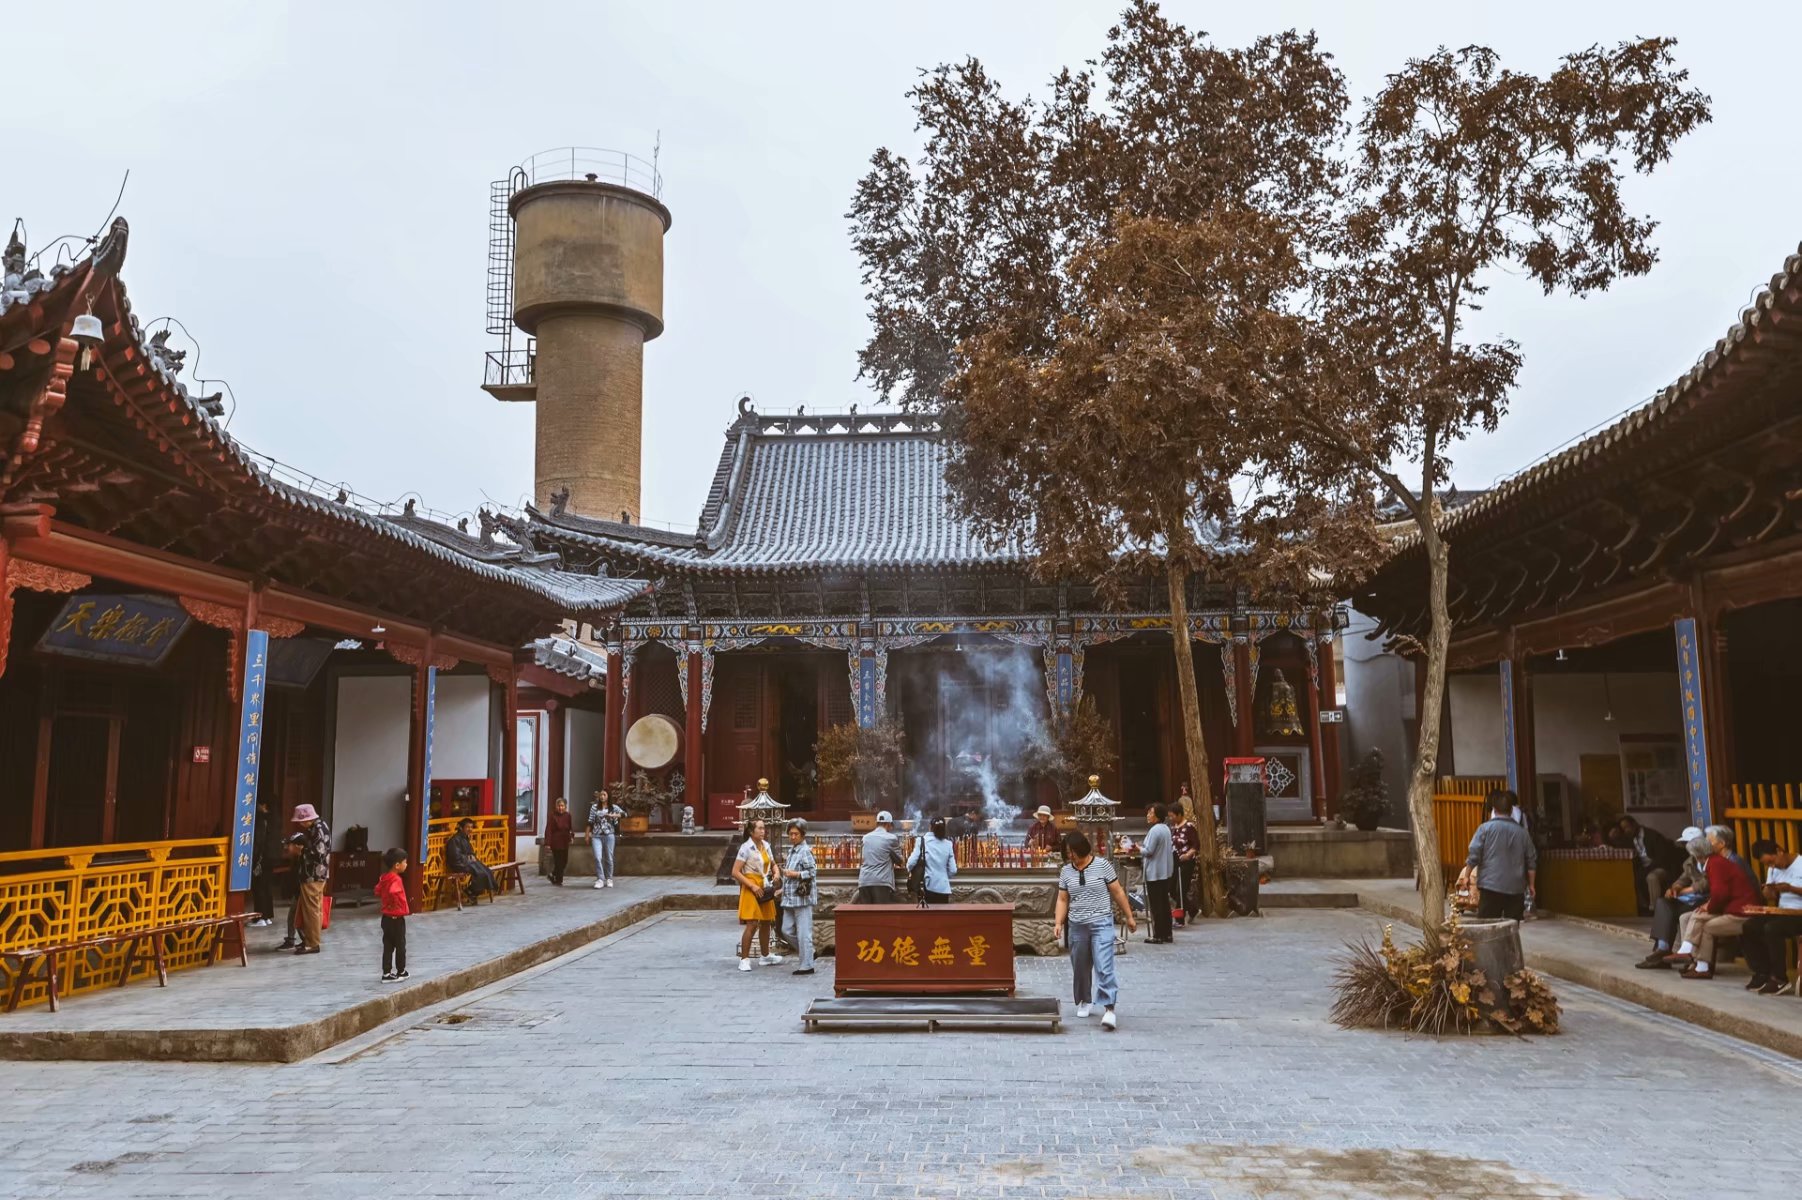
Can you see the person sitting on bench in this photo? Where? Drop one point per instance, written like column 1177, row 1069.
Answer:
column 460, row 859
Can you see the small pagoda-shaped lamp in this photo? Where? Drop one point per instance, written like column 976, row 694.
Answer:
column 764, row 805
column 1095, row 815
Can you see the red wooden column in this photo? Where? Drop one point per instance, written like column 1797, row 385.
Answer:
column 505, row 789
column 1717, row 687
column 1316, row 777
column 691, row 740
column 1330, row 764
column 1244, row 728
column 415, row 837
column 6, row 603
column 612, row 754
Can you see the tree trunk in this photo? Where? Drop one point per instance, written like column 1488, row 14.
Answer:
column 1426, row 755
column 1209, row 867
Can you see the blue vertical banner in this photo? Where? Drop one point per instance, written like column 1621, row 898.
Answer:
column 1509, row 758
column 866, row 689
column 1066, row 676
column 425, row 770
column 1695, row 728
column 251, row 690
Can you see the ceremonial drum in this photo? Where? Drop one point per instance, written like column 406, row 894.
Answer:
column 653, row 742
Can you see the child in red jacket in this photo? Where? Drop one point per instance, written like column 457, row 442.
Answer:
column 391, row 890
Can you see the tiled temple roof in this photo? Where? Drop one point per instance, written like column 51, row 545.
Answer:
column 1607, row 454
column 807, row 494
column 168, row 421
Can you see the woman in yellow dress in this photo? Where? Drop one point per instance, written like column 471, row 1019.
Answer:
column 755, row 871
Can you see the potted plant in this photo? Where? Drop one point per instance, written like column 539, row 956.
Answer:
column 1366, row 801
column 1076, row 742
column 868, row 757
column 638, row 797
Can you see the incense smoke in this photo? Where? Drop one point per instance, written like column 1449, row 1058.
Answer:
column 989, row 703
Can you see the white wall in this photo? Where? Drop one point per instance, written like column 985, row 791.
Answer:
column 460, row 727
column 369, row 757
column 1476, row 702
column 1379, row 709
column 1568, row 722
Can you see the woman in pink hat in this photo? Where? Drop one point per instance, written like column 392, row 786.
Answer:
column 315, row 842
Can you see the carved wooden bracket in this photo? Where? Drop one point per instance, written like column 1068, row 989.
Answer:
column 231, row 620
column 20, row 573
column 414, row 656
column 280, row 627
column 501, row 675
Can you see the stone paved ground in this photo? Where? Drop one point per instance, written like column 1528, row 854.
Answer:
column 279, row 988
column 647, row 1066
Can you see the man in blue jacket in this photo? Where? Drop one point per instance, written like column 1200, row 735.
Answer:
column 1159, row 855
column 1504, row 860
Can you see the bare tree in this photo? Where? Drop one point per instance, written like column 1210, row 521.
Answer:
column 1097, row 293
column 1461, row 168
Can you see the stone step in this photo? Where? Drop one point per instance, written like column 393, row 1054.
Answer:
column 1276, row 899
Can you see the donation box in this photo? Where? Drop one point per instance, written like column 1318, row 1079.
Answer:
column 906, row 950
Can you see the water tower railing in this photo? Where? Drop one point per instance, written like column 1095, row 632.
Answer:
column 579, row 162
column 511, row 367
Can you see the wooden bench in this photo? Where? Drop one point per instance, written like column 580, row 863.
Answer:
column 47, row 960
column 933, row 1011
column 452, row 884
column 508, row 872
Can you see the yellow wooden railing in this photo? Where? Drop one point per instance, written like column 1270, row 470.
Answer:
column 1457, row 811
column 491, row 838
column 73, row 893
column 1766, row 810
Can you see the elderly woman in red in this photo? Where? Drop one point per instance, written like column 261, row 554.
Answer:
column 1723, row 914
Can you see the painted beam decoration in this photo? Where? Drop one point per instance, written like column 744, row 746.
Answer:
column 1695, row 740
column 250, row 752
column 135, row 630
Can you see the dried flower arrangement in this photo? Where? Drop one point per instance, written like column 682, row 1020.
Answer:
column 1436, row 990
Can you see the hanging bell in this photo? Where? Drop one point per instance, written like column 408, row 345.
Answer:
column 88, row 333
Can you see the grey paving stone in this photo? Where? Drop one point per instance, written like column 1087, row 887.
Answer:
column 649, row 1066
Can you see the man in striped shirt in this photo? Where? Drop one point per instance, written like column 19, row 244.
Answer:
column 1088, row 891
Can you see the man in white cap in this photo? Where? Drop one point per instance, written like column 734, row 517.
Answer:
column 1042, row 833
column 315, row 842
column 881, row 855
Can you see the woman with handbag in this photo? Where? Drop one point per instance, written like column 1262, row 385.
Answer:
column 931, row 866
column 755, row 872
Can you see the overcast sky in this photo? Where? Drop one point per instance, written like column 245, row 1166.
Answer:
column 309, row 194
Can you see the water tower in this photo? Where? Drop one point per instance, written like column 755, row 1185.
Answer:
column 575, row 261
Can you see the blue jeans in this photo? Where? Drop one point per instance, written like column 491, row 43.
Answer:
column 1092, row 963
column 797, row 927
column 603, row 854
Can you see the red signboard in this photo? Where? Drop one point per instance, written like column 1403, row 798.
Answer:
column 903, row 949
column 203, row 754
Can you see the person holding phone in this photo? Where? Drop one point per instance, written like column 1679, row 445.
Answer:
column 1088, row 895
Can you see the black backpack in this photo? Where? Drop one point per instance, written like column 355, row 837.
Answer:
column 916, row 875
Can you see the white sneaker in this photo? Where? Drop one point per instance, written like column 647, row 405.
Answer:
column 609, row 883
column 599, row 884
column 744, row 964
column 1108, row 1020
column 771, row 960
column 1082, row 1010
